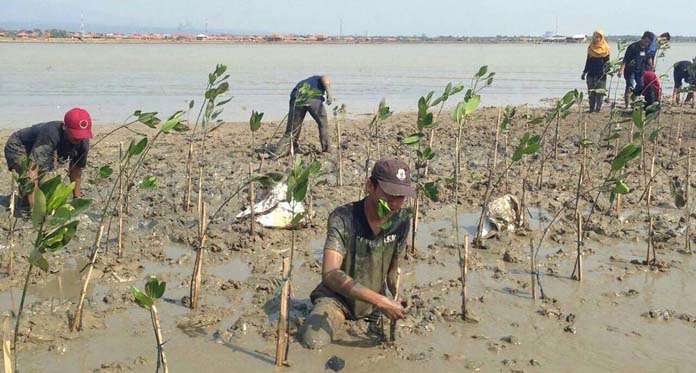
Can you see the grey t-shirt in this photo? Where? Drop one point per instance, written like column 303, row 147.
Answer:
column 366, row 256
column 41, row 141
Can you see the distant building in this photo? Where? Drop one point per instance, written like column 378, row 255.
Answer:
column 201, row 37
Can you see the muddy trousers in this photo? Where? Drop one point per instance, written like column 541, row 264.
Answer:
column 296, row 115
column 327, row 317
column 596, row 87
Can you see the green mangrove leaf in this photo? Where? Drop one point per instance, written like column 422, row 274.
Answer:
column 297, row 219
column 141, row 299
column 626, row 154
column 481, row 72
column 37, row 260
column 430, row 191
column 38, row 213
column 154, row 288
column 620, row 187
column 413, row 139
column 148, row 182
column 105, row 171
column 638, row 118
column 137, row 148
column 383, row 209
column 255, row 120
column 472, row 104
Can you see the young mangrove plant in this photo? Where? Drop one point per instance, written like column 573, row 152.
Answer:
column 54, row 220
column 129, row 166
column 373, row 133
column 208, row 121
column 421, row 153
column 450, row 90
column 154, row 290
column 298, row 181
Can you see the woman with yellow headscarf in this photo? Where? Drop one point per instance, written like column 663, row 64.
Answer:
column 595, row 69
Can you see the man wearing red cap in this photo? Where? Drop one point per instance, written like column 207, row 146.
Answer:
column 33, row 150
column 361, row 253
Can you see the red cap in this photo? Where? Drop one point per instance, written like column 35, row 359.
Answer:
column 78, row 123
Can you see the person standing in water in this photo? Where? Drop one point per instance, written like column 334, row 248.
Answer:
column 595, row 69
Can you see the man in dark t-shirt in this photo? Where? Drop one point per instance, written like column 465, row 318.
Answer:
column 297, row 112
column 683, row 73
column 361, row 254
column 33, row 150
column 636, row 60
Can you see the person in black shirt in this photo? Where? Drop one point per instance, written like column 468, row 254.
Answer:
column 635, row 61
column 32, row 150
column 315, row 107
column 683, row 73
column 595, row 69
column 361, row 256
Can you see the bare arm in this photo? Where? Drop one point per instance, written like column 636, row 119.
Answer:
column 338, row 281
column 76, row 176
column 33, row 174
column 327, row 86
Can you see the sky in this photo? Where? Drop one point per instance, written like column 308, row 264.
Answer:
column 358, row 17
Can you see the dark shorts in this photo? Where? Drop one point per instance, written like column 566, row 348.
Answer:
column 15, row 154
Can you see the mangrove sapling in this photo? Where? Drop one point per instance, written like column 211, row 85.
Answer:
column 449, row 91
column 136, row 152
column 339, row 152
column 208, row 115
column 254, row 125
column 383, row 112
column 204, row 222
column 423, row 154
column 298, row 180
column 154, row 290
column 54, row 220
column 489, row 188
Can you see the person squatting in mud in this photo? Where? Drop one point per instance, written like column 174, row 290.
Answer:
column 30, row 152
column 296, row 114
column 361, row 253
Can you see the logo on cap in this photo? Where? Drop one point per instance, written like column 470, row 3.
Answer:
column 401, row 174
column 83, row 124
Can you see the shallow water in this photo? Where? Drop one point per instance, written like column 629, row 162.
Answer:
column 41, row 81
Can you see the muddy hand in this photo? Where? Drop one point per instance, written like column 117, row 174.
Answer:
column 391, row 309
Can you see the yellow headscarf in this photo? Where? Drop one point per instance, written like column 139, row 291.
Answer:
column 600, row 49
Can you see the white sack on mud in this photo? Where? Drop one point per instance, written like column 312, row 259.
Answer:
column 273, row 210
column 504, row 214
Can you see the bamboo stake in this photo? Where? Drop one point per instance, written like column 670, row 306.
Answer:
column 556, row 138
column 497, row 136
column 281, row 346
column 200, row 189
column 464, row 269
column 120, row 202
column 10, row 234
column 161, row 358
column 617, row 207
column 189, row 177
column 6, row 347
column 687, row 238
column 580, row 244
column 339, row 152
column 77, row 318
column 507, row 182
column 392, row 325
column 650, row 232
column 533, row 268
column 648, row 200
column 198, row 266
column 252, row 199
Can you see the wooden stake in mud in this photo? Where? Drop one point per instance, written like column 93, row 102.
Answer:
column 339, row 151
column 200, row 189
column 648, row 201
column 198, row 266
column 161, row 358
column 617, row 206
column 281, row 346
column 120, row 203
column 189, row 177
column 578, row 260
column 77, row 318
column 507, row 181
column 392, row 324
column 650, row 233
column 464, row 269
column 6, row 346
column 252, row 199
column 533, row 268
column 10, row 234
column 687, row 238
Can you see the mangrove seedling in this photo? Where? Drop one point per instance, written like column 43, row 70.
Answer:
column 154, row 290
column 54, row 220
column 383, row 112
column 298, row 183
column 129, row 165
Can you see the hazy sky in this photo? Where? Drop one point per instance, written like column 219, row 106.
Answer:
column 374, row 17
